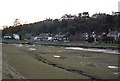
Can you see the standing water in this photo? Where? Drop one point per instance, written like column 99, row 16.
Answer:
column 95, row 50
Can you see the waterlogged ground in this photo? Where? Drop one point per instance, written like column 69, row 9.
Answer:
column 18, row 61
column 34, row 62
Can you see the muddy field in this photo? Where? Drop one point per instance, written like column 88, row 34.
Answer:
column 48, row 62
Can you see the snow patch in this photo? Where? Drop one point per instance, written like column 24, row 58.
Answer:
column 113, row 67
column 18, row 45
column 32, row 49
column 56, row 56
column 95, row 50
column 116, row 73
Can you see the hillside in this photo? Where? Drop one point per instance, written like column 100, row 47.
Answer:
column 75, row 27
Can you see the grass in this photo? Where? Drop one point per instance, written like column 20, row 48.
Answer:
column 5, row 76
column 95, row 64
column 31, row 68
column 63, row 43
column 107, row 45
column 14, row 41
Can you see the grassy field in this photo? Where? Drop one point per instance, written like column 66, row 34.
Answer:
column 21, row 60
column 91, row 63
column 63, row 43
column 78, row 44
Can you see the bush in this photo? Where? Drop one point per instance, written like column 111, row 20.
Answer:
column 107, row 39
column 90, row 39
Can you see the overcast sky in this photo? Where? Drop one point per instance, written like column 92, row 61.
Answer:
column 37, row 10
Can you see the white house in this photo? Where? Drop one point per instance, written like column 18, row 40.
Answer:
column 61, row 38
column 16, row 36
column 115, row 13
column 44, row 36
column 114, row 34
column 98, row 15
column 67, row 17
column 50, row 38
column 7, row 37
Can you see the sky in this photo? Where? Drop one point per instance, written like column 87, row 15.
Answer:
column 38, row 10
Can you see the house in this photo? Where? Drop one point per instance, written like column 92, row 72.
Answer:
column 98, row 15
column 16, row 36
column 114, row 34
column 66, row 17
column 90, row 37
column 7, row 37
column 44, row 36
column 84, row 36
column 115, row 13
column 61, row 38
column 12, row 36
column 50, row 38
column 83, row 15
column 27, row 36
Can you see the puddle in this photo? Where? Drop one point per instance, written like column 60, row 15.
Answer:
column 18, row 45
column 56, row 56
column 95, row 50
column 113, row 67
column 116, row 73
column 33, row 45
column 32, row 49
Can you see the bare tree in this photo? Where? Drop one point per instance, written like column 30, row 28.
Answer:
column 16, row 22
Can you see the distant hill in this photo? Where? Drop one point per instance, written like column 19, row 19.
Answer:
column 74, row 26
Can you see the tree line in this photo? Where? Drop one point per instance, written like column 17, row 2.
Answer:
column 75, row 27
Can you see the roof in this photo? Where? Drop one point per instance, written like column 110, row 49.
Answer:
column 60, row 35
column 98, row 15
column 115, row 13
column 44, row 35
column 113, row 33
